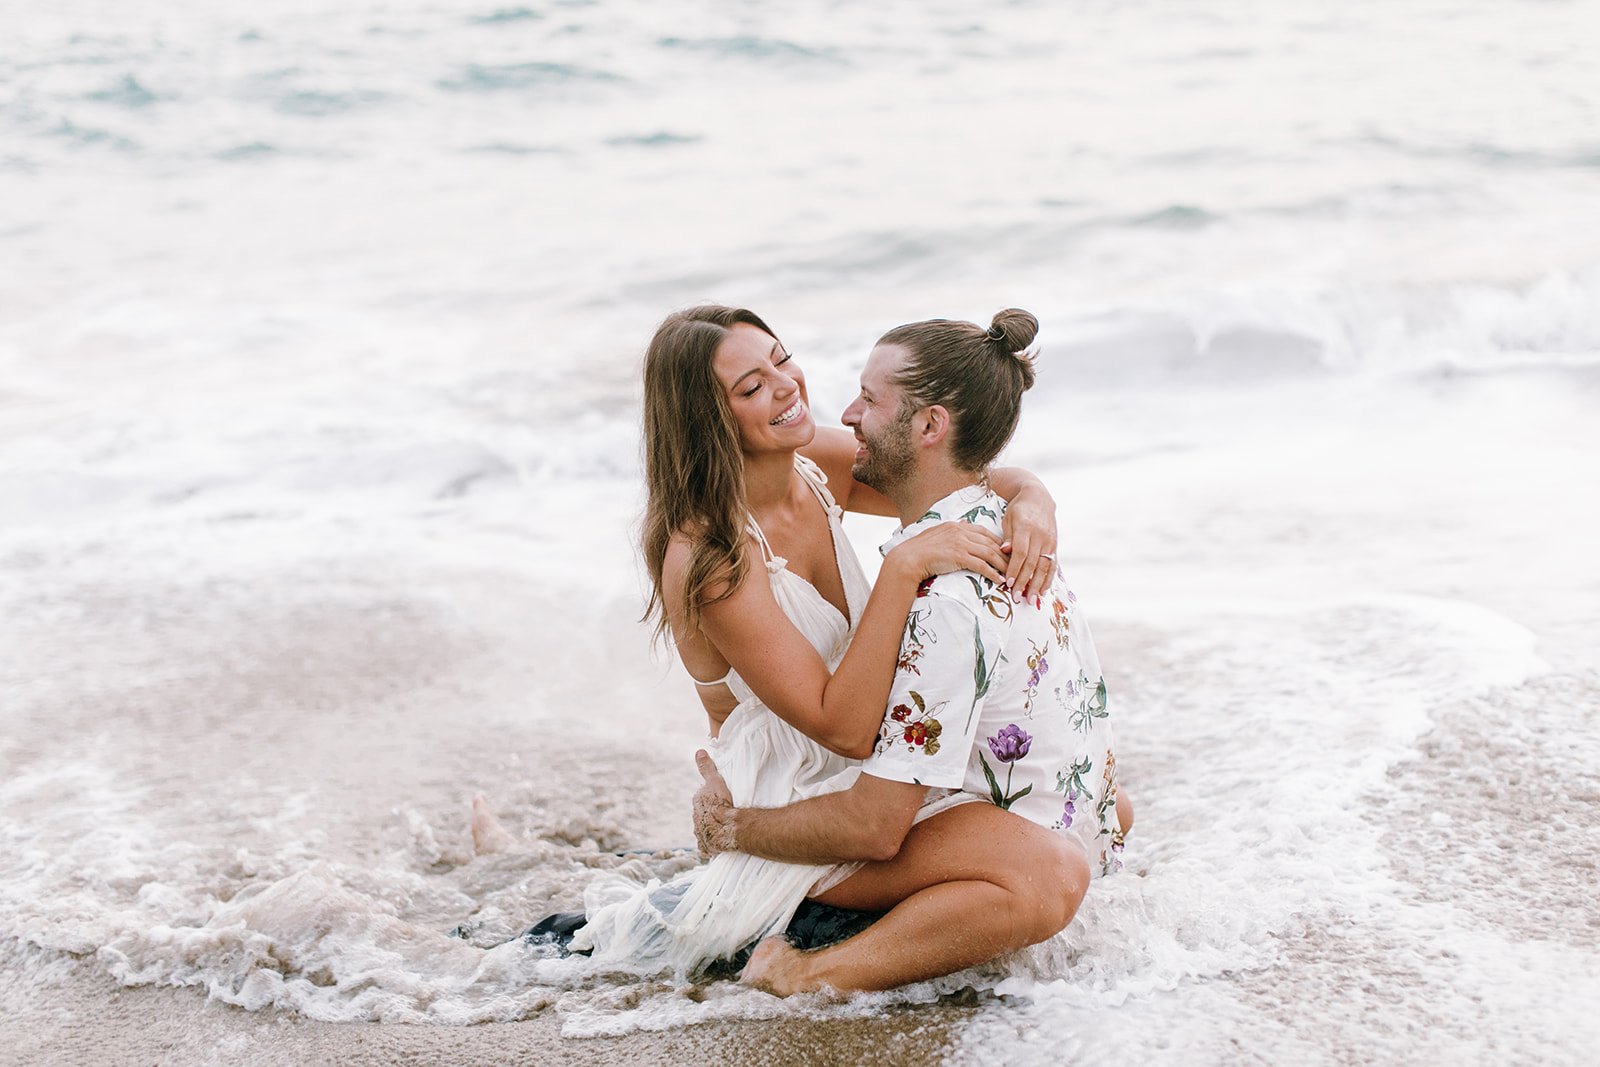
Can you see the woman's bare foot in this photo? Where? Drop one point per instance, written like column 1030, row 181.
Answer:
column 487, row 833
column 778, row 968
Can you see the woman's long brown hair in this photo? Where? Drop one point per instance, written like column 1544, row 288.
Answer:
column 693, row 461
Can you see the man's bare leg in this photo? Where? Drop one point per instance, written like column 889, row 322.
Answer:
column 968, row 884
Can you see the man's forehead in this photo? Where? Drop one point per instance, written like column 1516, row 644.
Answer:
column 882, row 364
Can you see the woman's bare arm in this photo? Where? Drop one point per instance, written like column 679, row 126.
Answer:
column 1028, row 532
column 840, row 711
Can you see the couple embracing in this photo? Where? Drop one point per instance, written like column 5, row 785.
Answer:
column 934, row 750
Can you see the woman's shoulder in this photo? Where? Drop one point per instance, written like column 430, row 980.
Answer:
column 680, row 550
column 679, row 561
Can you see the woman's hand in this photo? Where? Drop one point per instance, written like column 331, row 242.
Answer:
column 950, row 546
column 1029, row 530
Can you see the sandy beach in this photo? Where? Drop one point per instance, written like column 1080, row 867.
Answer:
column 285, row 695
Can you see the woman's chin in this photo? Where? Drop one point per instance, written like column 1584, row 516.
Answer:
column 788, row 439
column 799, row 433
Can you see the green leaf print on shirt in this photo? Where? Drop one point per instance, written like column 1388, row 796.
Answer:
column 992, row 597
column 1093, row 706
column 972, row 516
column 1070, row 783
column 996, row 794
column 980, row 671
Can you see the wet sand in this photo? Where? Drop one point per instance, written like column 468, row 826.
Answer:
column 349, row 701
column 97, row 1022
column 352, row 701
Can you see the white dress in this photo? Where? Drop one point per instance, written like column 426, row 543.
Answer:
column 716, row 909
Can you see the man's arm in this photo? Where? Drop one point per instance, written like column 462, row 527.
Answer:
column 926, row 741
column 868, row 821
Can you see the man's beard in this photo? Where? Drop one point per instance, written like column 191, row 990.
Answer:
column 891, row 457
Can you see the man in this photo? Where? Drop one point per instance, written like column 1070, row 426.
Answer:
column 994, row 702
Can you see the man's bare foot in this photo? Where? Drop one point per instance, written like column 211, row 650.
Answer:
column 778, row 968
column 487, row 833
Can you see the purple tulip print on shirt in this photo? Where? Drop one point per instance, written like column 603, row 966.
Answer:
column 1009, row 745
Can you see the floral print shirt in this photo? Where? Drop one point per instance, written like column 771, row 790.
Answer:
column 1002, row 700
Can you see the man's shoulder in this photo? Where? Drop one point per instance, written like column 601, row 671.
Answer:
column 966, row 588
column 967, row 599
column 985, row 509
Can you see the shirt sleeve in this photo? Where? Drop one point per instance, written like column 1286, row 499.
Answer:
column 946, row 661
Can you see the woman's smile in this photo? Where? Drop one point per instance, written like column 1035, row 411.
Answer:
column 796, row 412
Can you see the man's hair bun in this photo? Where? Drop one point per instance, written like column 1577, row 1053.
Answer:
column 1016, row 329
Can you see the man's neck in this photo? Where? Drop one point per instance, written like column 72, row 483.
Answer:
column 917, row 494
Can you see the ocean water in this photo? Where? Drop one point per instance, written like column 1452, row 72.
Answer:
column 320, row 333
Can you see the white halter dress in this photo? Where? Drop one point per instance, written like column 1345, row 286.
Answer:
column 713, row 911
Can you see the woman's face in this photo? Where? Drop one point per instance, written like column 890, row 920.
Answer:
column 765, row 389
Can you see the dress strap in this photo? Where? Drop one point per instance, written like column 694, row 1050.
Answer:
column 753, row 528
column 774, row 561
column 812, row 475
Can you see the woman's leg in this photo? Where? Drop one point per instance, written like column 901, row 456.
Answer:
column 487, row 833
column 969, row 884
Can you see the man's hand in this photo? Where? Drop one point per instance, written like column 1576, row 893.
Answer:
column 713, row 809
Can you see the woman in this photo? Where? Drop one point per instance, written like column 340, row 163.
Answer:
column 794, row 658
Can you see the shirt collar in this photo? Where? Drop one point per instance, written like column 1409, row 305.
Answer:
column 971, row 503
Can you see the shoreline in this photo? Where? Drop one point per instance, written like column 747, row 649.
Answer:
column 105, row 1023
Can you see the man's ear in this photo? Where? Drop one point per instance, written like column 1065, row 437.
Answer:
column 933, row 425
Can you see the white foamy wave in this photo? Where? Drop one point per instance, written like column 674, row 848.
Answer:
column 1557, row 316
column 1294, row 713
column 1272, row 734
column 308, row 944
column 1265, row 332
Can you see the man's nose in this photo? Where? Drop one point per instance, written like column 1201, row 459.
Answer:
column 851, row 414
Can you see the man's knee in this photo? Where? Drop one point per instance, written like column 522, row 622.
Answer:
column 1073, row 874
column 1052, row 889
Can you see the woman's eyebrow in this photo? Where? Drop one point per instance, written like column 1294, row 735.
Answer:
column 742, row 377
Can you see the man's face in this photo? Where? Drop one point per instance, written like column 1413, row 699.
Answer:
column 885, row 451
